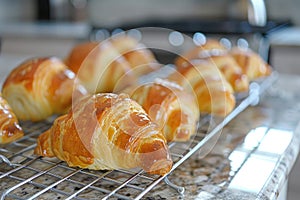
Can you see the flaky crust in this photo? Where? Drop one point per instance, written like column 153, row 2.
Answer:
column 124, row 43
column 196, row 52
column 215, row 52
column 140, row 58
column 114, row 63
column 10, row 130
column 251, row 63
column 99, row 66
column 232, row 72
column 107, row 131
column 214, row 93
column 167, row 104
column 41, row 87
column 78, row 53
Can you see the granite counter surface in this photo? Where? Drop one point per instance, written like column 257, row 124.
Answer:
column 251, row 160
column 254, row 153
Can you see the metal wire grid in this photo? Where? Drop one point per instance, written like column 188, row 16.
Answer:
column 26, row 176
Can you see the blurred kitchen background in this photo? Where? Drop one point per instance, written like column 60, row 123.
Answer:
column 59, row 23
column 112, row 12
column 52, row 27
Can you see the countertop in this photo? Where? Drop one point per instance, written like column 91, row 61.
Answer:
column 254, row 154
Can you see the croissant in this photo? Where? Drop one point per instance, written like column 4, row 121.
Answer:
column 140, row 58
column 167, row 104
column 251, row 63
column 99, row 66
column 232, row 72
column 213, row 92
column 10, row 130
column 200, row 51
column 41, row 87
column 215, row 52
column 107, row 131
column 78, row 53
column 124, row 43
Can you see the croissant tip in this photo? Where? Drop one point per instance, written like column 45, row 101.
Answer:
column 161, row 167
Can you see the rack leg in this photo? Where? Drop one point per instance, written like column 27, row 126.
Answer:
column 4, row 159
column 254, row 91
column 179, row 189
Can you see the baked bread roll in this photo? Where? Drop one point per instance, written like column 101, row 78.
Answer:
column 214, row 93
column 114, row 63
column 217, row 53
column 140, row 58
column 10, row 130
column 124, row 43
column 167, row 104
column 250, row 63
column 211, row 45
column 232, row 72
column 107, row 131
column 41, row 87
column 99, row 66
column 78, row 53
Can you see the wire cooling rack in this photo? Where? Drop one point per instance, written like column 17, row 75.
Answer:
column 26, row 176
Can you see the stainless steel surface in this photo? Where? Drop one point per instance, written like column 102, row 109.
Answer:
column 257, row 13
column 26, row 176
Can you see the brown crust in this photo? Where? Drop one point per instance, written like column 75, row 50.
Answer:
column 194, row 53
column 25, row 73
column 251, row 63
column 78, row 53
column 213, row 92
column 10, row 130
column 164, row 101
column 71, row 137
column 46, row 86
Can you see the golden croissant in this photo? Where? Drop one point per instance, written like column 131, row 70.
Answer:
column 251, row 63
column 232, row 72
column 107, row 131
column 215, row 52
column 167, row 104
column 214, row 93
column 140, row 58
column 41, row 87
column 200, row 51
column 114, row 63
column 10, row 129
column 99, row 66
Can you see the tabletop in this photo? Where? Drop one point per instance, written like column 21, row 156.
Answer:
column 254, row 153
